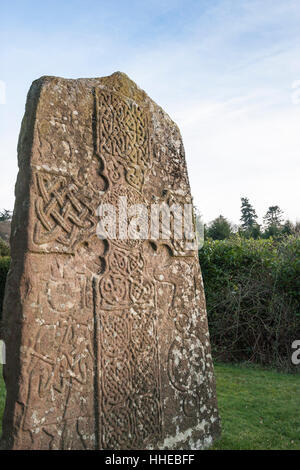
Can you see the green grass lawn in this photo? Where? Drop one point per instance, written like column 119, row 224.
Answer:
column 260, row 409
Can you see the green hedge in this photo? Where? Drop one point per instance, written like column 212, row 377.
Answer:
column 252, row 292
column 4, row 267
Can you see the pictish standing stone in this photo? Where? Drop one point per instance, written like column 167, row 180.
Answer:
column 107, row 340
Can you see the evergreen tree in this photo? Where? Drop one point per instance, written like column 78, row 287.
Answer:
column 288, row 228
column 249, row 216
column 249, row 227
column 219, row 229
column 273, row 222
column 273, row 217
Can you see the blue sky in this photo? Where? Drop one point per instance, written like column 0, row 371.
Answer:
column 222, row 69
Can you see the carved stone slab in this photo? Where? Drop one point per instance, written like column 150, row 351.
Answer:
column 107, row 340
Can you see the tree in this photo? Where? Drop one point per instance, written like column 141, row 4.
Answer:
column 5, row 215
column 288, row 228
column 273, row 221
column 249, row 216
column 250, row 227
column 219, row 229
column 273, row 216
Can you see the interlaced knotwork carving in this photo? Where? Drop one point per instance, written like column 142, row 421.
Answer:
column 64, row 211
column 107, row 338
column 123, row 139
column 129, row 355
